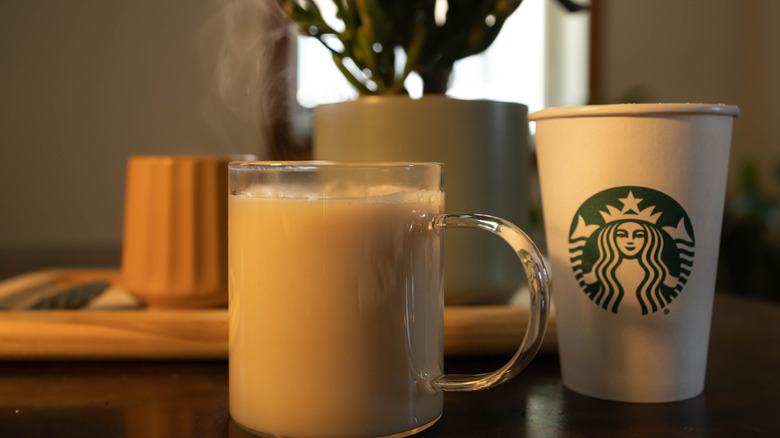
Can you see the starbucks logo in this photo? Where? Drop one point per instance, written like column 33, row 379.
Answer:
column 631, row 249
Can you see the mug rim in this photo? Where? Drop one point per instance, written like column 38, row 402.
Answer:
column 634, row 109
column 308, row 164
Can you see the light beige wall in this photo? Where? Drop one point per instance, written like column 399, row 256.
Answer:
column 714, row 51
column 83, row 85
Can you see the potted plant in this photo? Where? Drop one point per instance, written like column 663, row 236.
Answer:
column 431, row 38
column 377, row 45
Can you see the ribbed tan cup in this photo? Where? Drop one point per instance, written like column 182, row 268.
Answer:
column 174, row 252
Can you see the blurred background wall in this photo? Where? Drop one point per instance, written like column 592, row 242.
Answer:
column 714, row 51
column 83, row 85
column 86, row 83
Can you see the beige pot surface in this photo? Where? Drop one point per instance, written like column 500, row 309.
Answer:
column 484, row 146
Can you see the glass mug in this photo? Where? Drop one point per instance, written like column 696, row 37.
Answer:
column 336, row 301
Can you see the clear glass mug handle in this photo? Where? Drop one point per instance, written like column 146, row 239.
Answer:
column 538, row 284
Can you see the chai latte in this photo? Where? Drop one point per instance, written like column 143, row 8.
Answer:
column 335, row 312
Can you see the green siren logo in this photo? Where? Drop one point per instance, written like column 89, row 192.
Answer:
column 631, row 249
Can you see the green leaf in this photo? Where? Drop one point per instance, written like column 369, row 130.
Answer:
column 359, row 85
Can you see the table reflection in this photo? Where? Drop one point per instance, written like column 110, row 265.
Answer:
column 148, row 399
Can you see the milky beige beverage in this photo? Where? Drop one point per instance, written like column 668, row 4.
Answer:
column 336, row 311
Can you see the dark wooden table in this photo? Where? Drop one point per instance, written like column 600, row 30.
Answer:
column 190, row 399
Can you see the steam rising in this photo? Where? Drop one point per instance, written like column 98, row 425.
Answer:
column 245, row 51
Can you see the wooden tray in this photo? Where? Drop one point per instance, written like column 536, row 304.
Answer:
column 116, row 328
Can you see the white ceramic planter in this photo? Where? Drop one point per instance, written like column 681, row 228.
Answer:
column 484, row 146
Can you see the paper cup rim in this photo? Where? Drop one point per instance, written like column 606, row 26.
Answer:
column 634, row 109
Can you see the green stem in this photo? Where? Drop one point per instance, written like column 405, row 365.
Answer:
column 360, row 86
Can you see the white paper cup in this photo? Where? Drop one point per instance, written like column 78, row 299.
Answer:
column 633, row 198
